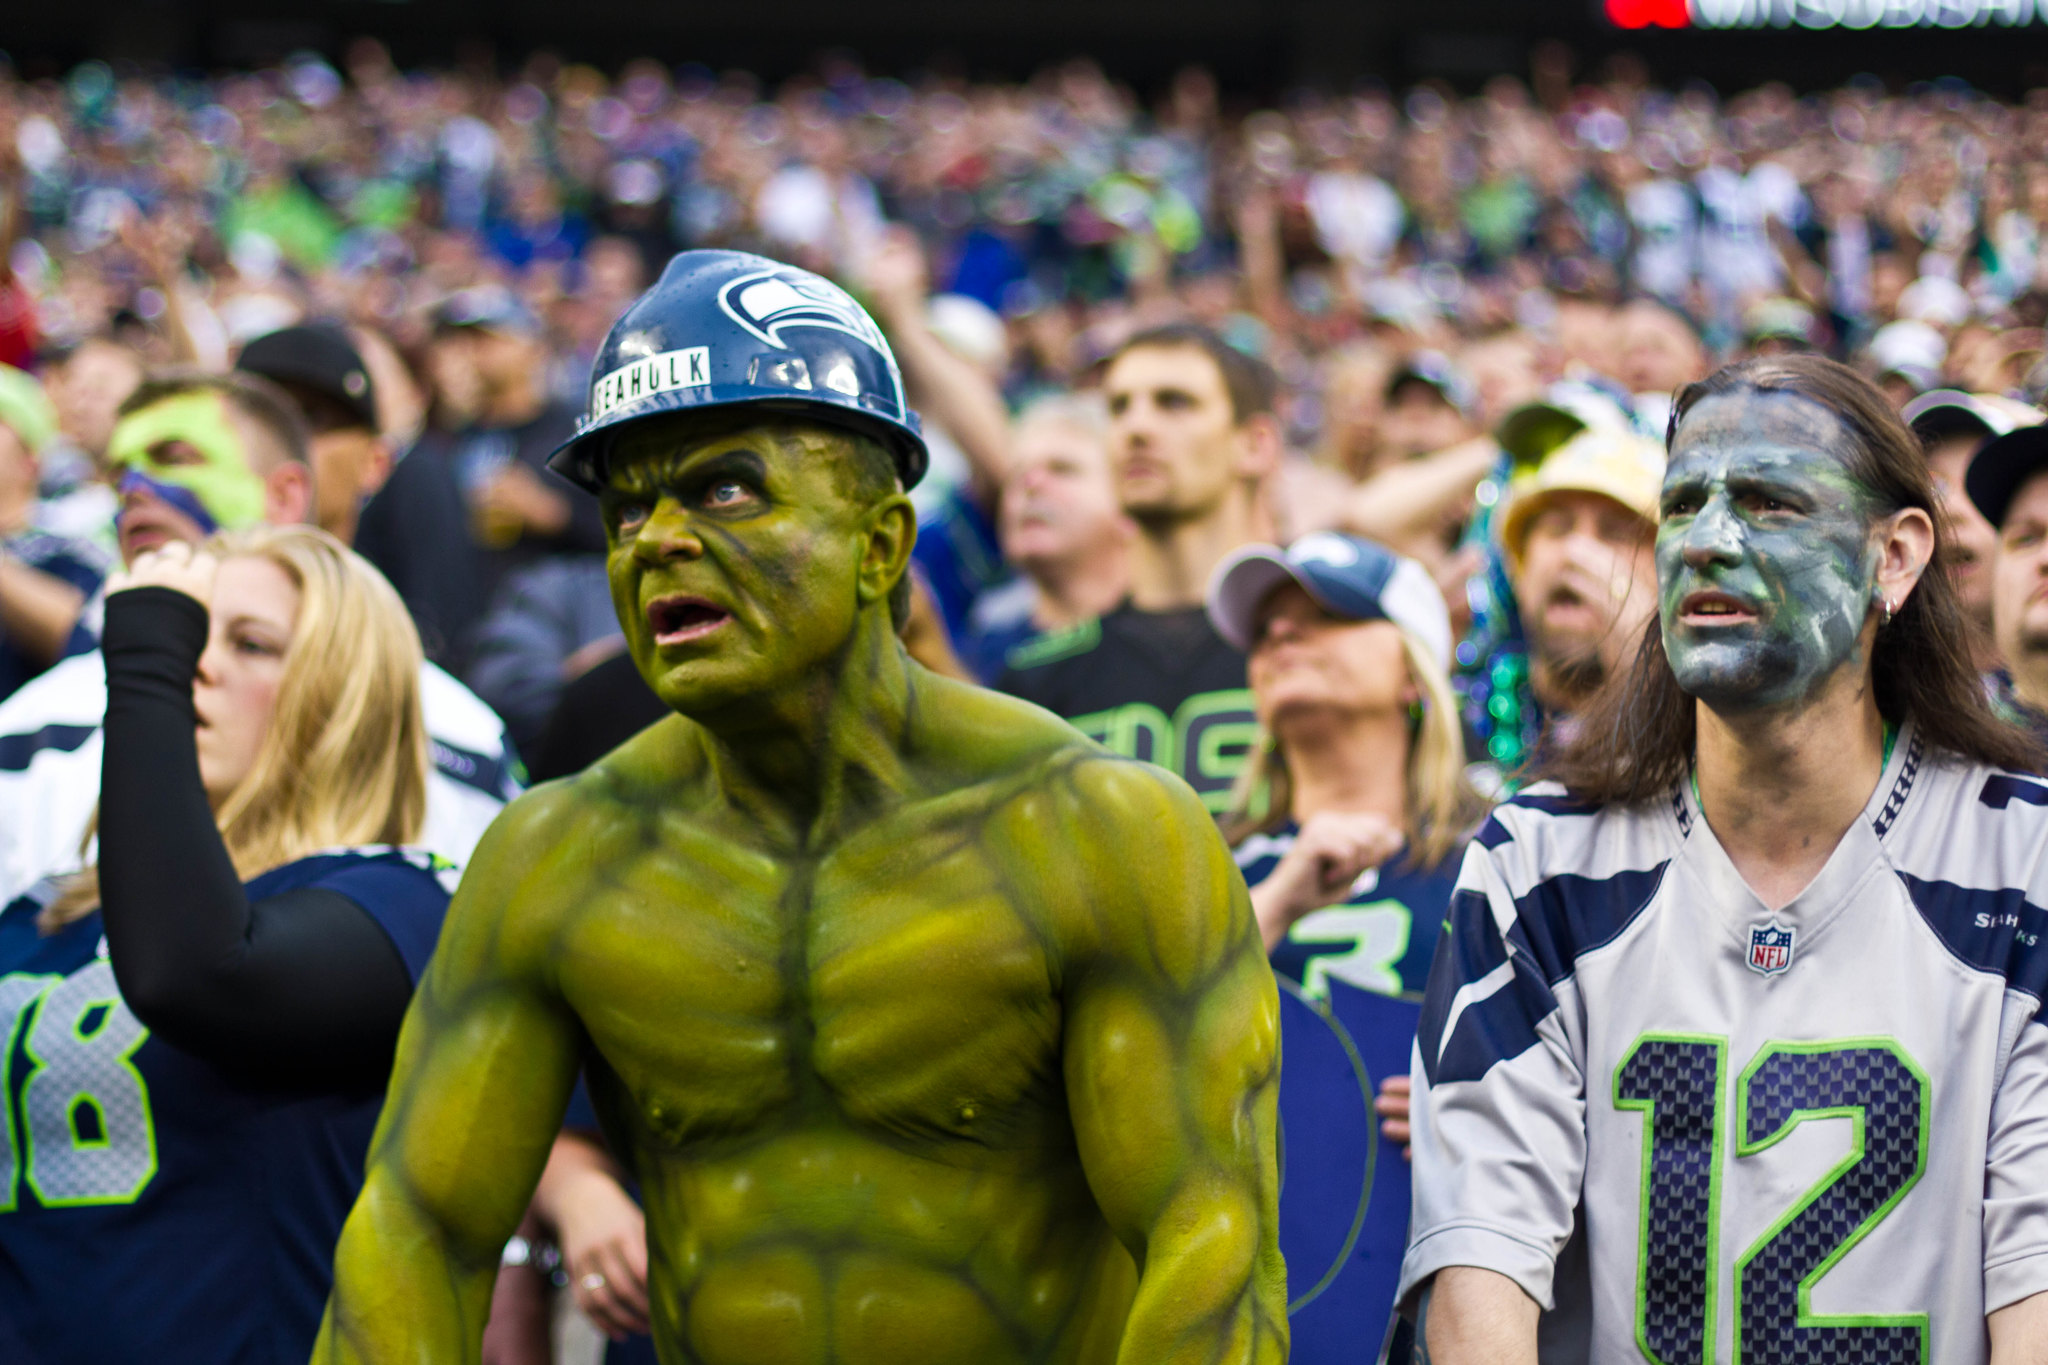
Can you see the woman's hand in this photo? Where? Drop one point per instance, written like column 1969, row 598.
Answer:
column 1329, row 853
column 1392, row 1107
column 602, row 1235
column 186, row 568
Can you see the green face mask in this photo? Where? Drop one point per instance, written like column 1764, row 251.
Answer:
column 218, row 489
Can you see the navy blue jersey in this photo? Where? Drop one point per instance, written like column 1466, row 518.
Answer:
column 1350, row 975
column 154, row 1207
column 1379, row 938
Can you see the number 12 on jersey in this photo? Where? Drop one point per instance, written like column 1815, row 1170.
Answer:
column 1678, row 1081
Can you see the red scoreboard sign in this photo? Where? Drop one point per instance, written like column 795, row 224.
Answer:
column 1820, row 14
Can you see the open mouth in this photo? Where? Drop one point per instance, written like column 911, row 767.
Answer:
column 678, row 620
column 1564, row 599
column 1711, row 609
column 138, row 535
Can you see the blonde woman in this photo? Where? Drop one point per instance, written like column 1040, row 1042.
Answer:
column 1359, row 766
column 1351, row 853
column 198, row 1029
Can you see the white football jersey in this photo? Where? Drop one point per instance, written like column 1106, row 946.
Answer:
column 50, row 746
column 1695, row 1129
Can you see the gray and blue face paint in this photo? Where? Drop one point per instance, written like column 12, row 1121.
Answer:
column 1766, row 554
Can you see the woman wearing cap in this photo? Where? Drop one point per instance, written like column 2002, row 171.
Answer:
column 1347, row 825
column 1360, row 763
column 195, row 1034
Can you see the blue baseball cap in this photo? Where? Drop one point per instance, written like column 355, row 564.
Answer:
column 1348, row 576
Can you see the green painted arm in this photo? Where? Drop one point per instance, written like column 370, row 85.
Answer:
column 1172, row 1072
column 485, row 1064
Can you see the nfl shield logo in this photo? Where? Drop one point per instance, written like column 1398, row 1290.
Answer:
column 1770, row 948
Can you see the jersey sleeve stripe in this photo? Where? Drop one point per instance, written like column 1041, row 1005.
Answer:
column 2001, row 790
column 491, row 776
column 18, row 751
column 1996, row 931
column 1487, row 994
column 1483, row 1004
column 1565, row 917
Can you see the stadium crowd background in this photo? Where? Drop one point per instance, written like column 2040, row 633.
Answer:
column 158, row 219
column 1445, row 288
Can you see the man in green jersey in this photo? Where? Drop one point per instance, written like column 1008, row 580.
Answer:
column 1193, row 447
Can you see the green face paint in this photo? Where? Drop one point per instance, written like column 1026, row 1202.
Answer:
column 1766, row 563
column 190, row 442
column 764, row 590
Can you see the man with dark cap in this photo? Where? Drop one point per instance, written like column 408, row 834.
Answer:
column 318, row 366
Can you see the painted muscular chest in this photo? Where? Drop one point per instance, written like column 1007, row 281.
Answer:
column 894, row 984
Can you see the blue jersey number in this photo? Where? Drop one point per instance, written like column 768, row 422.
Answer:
column 1677, row 1081
column 77, row 1129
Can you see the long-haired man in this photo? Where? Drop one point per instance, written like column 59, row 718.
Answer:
column 1733, row 1049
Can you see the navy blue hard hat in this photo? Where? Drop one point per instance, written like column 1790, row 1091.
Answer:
column 726, row 329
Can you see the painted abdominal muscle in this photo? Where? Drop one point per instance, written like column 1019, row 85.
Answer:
column 906, row 1098
column 849, row 1167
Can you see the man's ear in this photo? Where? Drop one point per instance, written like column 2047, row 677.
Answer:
column 891, row 531
column 1904, row 548
column 1259, row 446
column 288, row 494
column 376, row 468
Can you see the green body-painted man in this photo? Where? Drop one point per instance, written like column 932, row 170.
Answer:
column 931, row 1032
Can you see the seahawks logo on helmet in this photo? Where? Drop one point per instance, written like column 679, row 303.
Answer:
column 767, row 301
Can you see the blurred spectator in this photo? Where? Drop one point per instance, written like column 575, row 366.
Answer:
column 1422, row 499
column 2007, row 487
column 87, row 387
column 1906, row 360
column 196, row 453
column 479, row 499
column 1953, row 426
column 951, row 350
column 45, row 578
column 319, row 368
column 1660, row 352
column 1061, row 528
column 1579, row 535
column 19, row 331
column 1430, row 407
column 551, row 623
column 1192, row 442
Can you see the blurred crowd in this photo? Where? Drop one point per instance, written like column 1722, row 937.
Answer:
column 1429, row 341
column 1414, row 268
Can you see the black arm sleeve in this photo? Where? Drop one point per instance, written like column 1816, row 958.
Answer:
column 304, row 986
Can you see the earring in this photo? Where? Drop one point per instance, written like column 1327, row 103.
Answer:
column 1884, row 606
